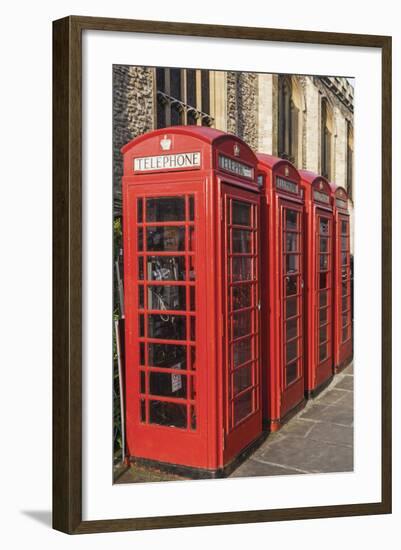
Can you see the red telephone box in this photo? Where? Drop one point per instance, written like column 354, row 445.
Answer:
column 343, row 347
column 191, row 264
column 319, row 281
column 282, row 210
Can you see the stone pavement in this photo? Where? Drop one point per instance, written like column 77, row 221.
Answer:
column 318, row 439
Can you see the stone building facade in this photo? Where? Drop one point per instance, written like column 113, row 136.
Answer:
column 307, row 119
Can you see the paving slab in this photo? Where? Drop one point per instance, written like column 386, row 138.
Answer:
column 332, row 433
column 253, row 467
column 346, row 383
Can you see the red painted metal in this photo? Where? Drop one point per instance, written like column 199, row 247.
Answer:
column 343, row 341
column 319, row 222
column 191, row 266
column 282, row 208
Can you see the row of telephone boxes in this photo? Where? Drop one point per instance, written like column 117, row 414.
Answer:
column 238, row 295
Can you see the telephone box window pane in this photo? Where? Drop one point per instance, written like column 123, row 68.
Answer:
column 143, row 386
column 291, row 241
column 323, row 298
column 323, row 334
column 191, row 268
column 291, row 329
column 193, row 358
column 143, row 410
column 291, row 351
column 344, row 228
column 344, row 303
column 141, row 296
column 291, row 307
column 344, row 243
column 168, row 414
column 140, row 268
column 191, row 208
column 141, row 326
column 167, row 297
column 140, row 210
column 242, row 296
column 242, row 269
column 242, row 241
column 324, row 244
column 242, row 407
column 323, row 279
column 168, row 385
column 166, row 238
column 291, row 371
column 141, row 353
column 323, row 316
column 165, row 268
column 324, row 227
column 345, row 333
column 291, row 263
column 242, row 323
column 324, row 262
column 291, row 219
column 322, row 352
column 242, row 351
column 343, row 258
column 140, row 238
column 193, row 417
column 167, row 327
column 291, row 285
column 192, row 325
column 344, row 288
column 344, row 319
column 242, row 379
column 192, row 298
column 241, row 213
column 167, row 356
column 192, row 384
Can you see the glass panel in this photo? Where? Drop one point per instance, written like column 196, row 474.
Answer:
column 193, row 417
column 291, row 308
column 344, row 227
column 324, row 226
column 166, row 268
column 291, row 242
column 192, row 298
column 167, row 297
column 323, row 334
column 323, row 298
column 169, row 327
column 242, row 241
column 291, row 218
column 140, row 238
column 169, row 385
column 324, row 244
column 291, row 263
column 322, row 352
column 323, row 280
column 345, row 333
column 291, row 372
column 343, row 258
column 193, row 357
column 242, row 407
column 140, row 210
column 291, row 351
column 192, row 384
column 165, row 209
column 241, row 213
column 344, row 243
column 242, row 296
column 324, row 262
column 291, row 285
column 141, row 326
column 165, row 238
column 191, row 243
column 167, row 356
column 242, row 323
column 242, row 269
column 143, row 410
column 323, row 316
column 242, row 379
column 242, row 351
column 344, row 286
column 141, row 296
column 141, row 353
column 168, row 414
column 140, row 267
column 291, row 329
column 191, row 268
column 344, row 319
column 191, row 208
column 344, row 303
column 142, row 376
column 192, row 322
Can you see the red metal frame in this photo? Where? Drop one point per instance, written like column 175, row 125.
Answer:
column 179, row 246
column 343, row 334
column 319, row 281
column 282, row 261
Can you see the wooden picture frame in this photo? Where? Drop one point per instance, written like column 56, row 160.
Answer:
column 67, row 274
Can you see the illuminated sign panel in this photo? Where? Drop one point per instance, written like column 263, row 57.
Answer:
column 235, row 167
column 167, row 162
column 286, row 185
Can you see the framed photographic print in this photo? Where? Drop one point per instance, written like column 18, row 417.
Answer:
column 222, row 275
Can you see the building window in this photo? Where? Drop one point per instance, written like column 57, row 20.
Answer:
column 288, row 120
column 350, row 160
column 326, row 129
column 183, row 97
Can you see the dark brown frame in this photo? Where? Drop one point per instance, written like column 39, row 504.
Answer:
column 67, row 292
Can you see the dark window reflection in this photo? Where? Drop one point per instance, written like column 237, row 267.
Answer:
column 291, row 218
column 167, row 327
column 165, row 209
column 165, row 238
column 168, row 356
column 168, row 414
column 241, row 213
column 167, row 297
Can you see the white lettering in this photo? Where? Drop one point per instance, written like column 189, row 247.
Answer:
column 167, row 162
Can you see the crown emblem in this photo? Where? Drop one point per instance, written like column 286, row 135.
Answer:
column 286, row 170
column 165, row 143
column 236, row 150
column 321, row 185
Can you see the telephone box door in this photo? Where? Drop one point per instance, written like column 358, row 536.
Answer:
column 292, row 318
column 240, row 235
